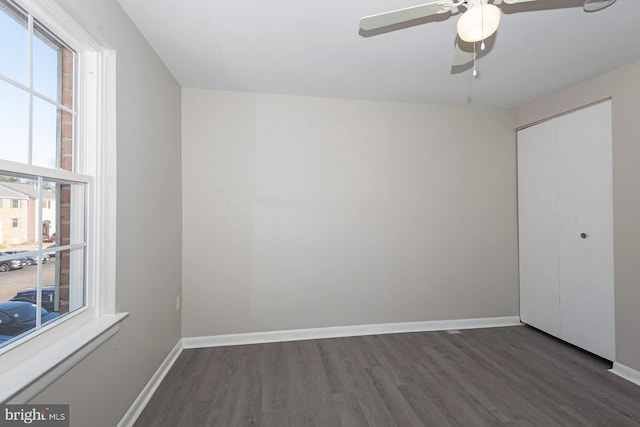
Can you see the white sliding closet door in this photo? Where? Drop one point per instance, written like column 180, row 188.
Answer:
column 566, row 228
column 539, row 228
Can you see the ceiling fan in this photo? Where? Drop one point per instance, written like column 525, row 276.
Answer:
column 479, row 21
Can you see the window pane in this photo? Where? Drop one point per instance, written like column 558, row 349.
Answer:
column 17, row 219
column 14, row 123
column 45, row 134
column 13, row 44
column 68, row 76
column 17, row 312
column 66, row 141
column 71, row 214
column 62, row 271
column 49, row 213
column 69, row 265
column 47, row 62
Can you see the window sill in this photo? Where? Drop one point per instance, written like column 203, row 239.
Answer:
column 31, row 367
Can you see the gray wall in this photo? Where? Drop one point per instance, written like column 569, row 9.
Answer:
column 102, row 387
column 623, row 87
column 307, row 212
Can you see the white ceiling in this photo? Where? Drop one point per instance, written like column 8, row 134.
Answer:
column 313, row 47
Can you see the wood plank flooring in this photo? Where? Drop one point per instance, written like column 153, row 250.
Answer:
column 513, row 376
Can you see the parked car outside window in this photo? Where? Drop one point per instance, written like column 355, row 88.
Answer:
column 17, row 317
column 12, row 264
column 51, row 254
column 31, row 259
column 29, row 295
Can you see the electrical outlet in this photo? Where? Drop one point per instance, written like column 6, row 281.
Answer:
column 178, row 302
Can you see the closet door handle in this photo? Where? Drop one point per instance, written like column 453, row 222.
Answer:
column 583, row 235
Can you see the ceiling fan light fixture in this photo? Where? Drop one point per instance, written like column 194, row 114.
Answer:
column 479, row 22
column 595, row 5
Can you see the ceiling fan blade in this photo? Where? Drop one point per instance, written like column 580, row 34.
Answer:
column 516, row 1
column 402, row 15
column 595, row 5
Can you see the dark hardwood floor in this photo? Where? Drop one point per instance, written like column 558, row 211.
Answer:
column 512, row 376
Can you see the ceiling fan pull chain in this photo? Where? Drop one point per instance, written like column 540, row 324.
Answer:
column 482, row 26
column 475, row 71
column 475, row 55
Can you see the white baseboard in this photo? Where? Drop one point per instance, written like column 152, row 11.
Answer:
column 141, row 401
column 346, row 331
column 626, row 372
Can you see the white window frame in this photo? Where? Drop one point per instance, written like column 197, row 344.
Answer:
column 26, row 371
column 15, row 222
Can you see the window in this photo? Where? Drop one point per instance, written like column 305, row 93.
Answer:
column 59, row 157
column 37, row 84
